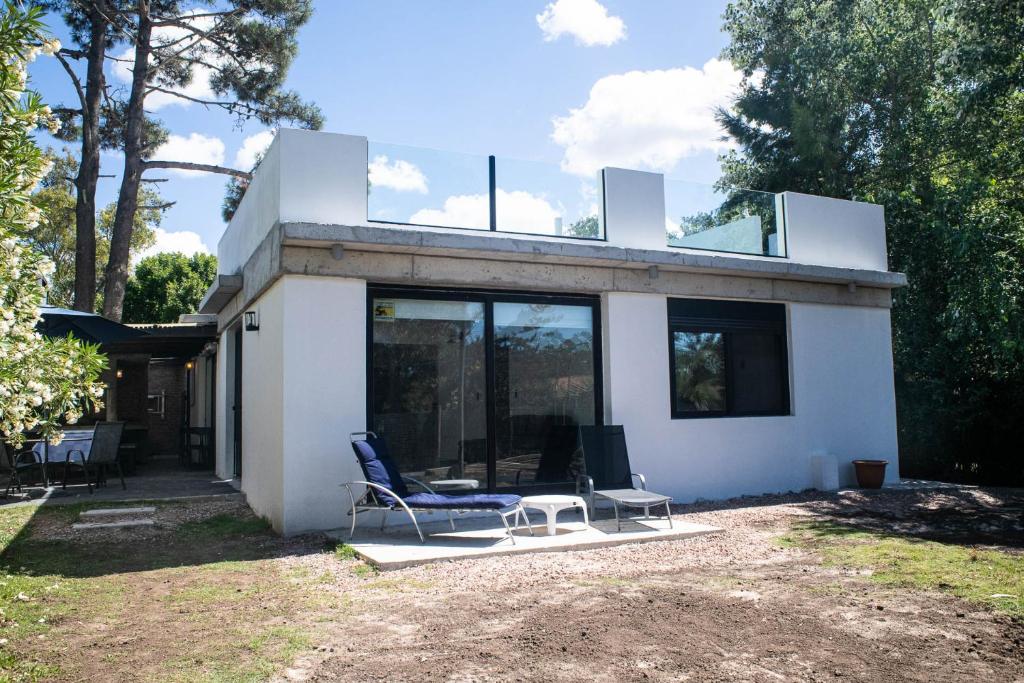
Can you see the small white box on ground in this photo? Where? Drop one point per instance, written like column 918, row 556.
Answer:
column 825, row 472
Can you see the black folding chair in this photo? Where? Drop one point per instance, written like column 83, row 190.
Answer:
column 106, row 438
column 609, row 476
column 14, row 464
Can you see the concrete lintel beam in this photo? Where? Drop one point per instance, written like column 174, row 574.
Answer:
column 222, row 290
column 502, row 247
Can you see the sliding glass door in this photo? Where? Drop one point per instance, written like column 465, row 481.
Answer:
column 543, row 390
column 483, row 386
column 428, row 386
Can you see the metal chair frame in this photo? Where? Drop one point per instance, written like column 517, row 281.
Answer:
column 369, row 500
column 87, row 460
column 587, row 484
column 13, row 461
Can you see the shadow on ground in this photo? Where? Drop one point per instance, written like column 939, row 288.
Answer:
column 45, row 544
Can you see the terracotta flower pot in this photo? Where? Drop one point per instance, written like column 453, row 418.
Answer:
column 870, row 473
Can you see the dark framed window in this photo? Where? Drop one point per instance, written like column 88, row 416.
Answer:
column 727, row 358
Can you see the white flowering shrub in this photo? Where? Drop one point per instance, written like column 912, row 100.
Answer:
column 44, row 383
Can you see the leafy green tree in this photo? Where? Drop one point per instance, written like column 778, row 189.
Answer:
column 917, row 105
column 587, row 226
column 44, row 383
column 166, row 285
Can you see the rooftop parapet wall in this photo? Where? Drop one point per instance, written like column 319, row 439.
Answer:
column 321, row 178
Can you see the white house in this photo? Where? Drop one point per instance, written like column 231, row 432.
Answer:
column 737, row 342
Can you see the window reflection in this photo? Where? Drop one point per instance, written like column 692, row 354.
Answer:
column 700, row 371
column 429, row 397
column 544, row 388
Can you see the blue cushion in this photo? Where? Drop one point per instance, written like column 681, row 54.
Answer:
column 474, row 501
column 378, row 468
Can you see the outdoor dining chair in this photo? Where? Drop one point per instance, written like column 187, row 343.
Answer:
column 102, row 453
column 15, row 464
column 609, row 476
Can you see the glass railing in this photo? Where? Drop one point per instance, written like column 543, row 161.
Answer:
column 699, row 216
column 417, row 186
column 542, row 199
column 426, row 187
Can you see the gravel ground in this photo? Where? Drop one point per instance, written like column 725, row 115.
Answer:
column 730, row 606
column 736, row 605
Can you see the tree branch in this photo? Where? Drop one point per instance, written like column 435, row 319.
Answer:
column 156, row 207
column 230, row 106
column 74, row 79
column 177, row 21
column 189, row 166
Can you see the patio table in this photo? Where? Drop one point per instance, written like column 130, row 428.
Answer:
column 74, row 440
column 551, row 505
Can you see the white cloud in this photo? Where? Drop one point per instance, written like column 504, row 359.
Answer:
column 252, row 147
column 586, row 20
column 647, row 119
column 399, row 175
column 184, row 241
column 516, row 210
column 196, row 148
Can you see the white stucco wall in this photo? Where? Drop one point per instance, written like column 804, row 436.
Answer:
column 263, row 408
column 835, row 232
column 324, row 397
column 842, row 402
column 256, row 214
column 634, row 209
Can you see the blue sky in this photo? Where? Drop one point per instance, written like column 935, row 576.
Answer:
column 573, row 83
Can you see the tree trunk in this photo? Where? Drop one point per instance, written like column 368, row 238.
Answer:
column 89, row 167
column 128, row 197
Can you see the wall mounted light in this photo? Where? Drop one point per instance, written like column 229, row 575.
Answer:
column 119, row 373
column 252, row 321
column 189, row 365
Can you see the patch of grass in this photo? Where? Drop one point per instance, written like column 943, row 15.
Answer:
column 30, row 603
column 240, row 658
column 597, row 581
column 397, row 585
column 225, row 525
column 212, row 594
column 213, row 576
column 344, row 551
column 14, row 669
column 986, row 577
column 365, row 570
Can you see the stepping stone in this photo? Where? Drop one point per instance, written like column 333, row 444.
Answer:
column 104, row 512
column 112, row 525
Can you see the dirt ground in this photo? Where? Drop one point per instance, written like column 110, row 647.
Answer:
column 230, row 601
column 735, row 606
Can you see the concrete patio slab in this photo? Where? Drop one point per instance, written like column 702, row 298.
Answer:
column 114, row 512
column 399, row 546
column 78, row 526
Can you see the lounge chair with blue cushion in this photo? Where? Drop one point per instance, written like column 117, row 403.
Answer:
column 386, row 490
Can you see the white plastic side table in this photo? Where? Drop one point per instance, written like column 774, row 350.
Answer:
column 552, row 505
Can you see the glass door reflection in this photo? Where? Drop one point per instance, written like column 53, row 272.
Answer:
column 428, row 386
column 543, row 389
